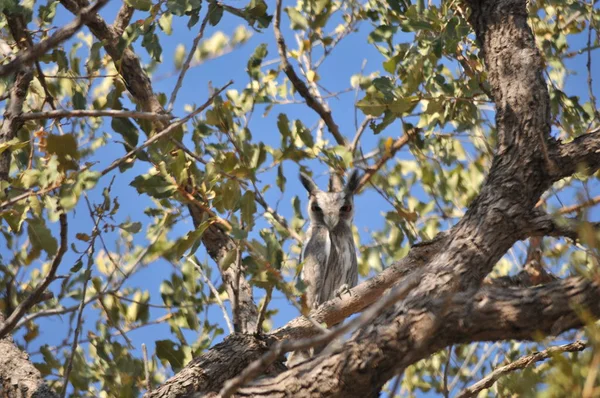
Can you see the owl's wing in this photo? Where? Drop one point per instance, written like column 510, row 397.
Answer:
column 315, row 256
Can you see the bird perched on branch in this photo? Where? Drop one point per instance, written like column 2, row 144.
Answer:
column 329, row 255
column 329, row 259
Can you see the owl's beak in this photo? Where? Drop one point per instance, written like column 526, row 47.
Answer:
column 331, row 221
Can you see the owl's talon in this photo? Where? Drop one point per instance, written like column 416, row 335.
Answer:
column 343, row 289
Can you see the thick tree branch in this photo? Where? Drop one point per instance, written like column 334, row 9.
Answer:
column 18, row 377
column 489, row 315
column 62, row 34
column 321, row 108
column 329, row 313
column 581, row 154
column 12, row 121
column 521, row 363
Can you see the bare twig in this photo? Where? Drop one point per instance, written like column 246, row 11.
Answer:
column 263, row 310
column 165, row 132
column 359, row 132
column 215, row 292
column 188, row 61
column 22, row 308
column 256, row 367
column 94, row 113
column 88, row 277
column 579, row 206
column 589, row 62
column 299, row 85
column 58, row 37
column 521, row 363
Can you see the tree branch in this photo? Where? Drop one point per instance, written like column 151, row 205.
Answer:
column 216, row 241
column 488, row 315
column 321, row 108
column 62, row 34
column 168, row 130
column 9, row 324
column 581, row 154
column 521, row 363
column 12, row 122
column 57, row 114
column 18, row 376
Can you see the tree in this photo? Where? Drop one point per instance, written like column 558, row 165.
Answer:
column 465, row 182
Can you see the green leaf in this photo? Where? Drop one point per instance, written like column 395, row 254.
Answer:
column 169, row 351
column 304, row 133
column 298, row 21
column 151, row 43
column 165, row 22
column 281, row 180
column 79, row 100
column 143, row 5
column 248, row 208
column 153, row 185
column 215, row 13
column 40, row 236
column 131, row 227
column 77, row 266
column 12, row 145
column 256, row 60
column 191, row 238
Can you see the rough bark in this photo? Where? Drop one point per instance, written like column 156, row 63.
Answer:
column 450, row 306
column 18, row 377
column 216, row 241
column 18, row 93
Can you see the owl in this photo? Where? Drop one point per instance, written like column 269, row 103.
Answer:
column 329, row 255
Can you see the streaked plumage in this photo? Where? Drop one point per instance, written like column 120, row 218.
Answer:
column 329, row 255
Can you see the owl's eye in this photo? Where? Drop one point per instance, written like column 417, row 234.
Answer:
column 315, row 207
column 346, row 208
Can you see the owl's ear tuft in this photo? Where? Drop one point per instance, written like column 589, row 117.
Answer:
column 353, row 181
column 308, row 183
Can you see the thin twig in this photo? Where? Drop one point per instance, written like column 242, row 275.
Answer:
column 168, row 130
column 188, row 61
column 299, row 85
column 215, row 292
column 94, row 113
column 521, row 363
column 359, row 132
column 256, row 367
column 22, row 308
column 577, row 207
column 387, row 155
column 263, row 310
column 446, row 369
column 58, row 37
column 88, row 277
column 589, row 62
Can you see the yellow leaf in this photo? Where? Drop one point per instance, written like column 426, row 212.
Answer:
column 388, row 145
column 312, row 76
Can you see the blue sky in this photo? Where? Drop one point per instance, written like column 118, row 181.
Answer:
column 347, row 60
